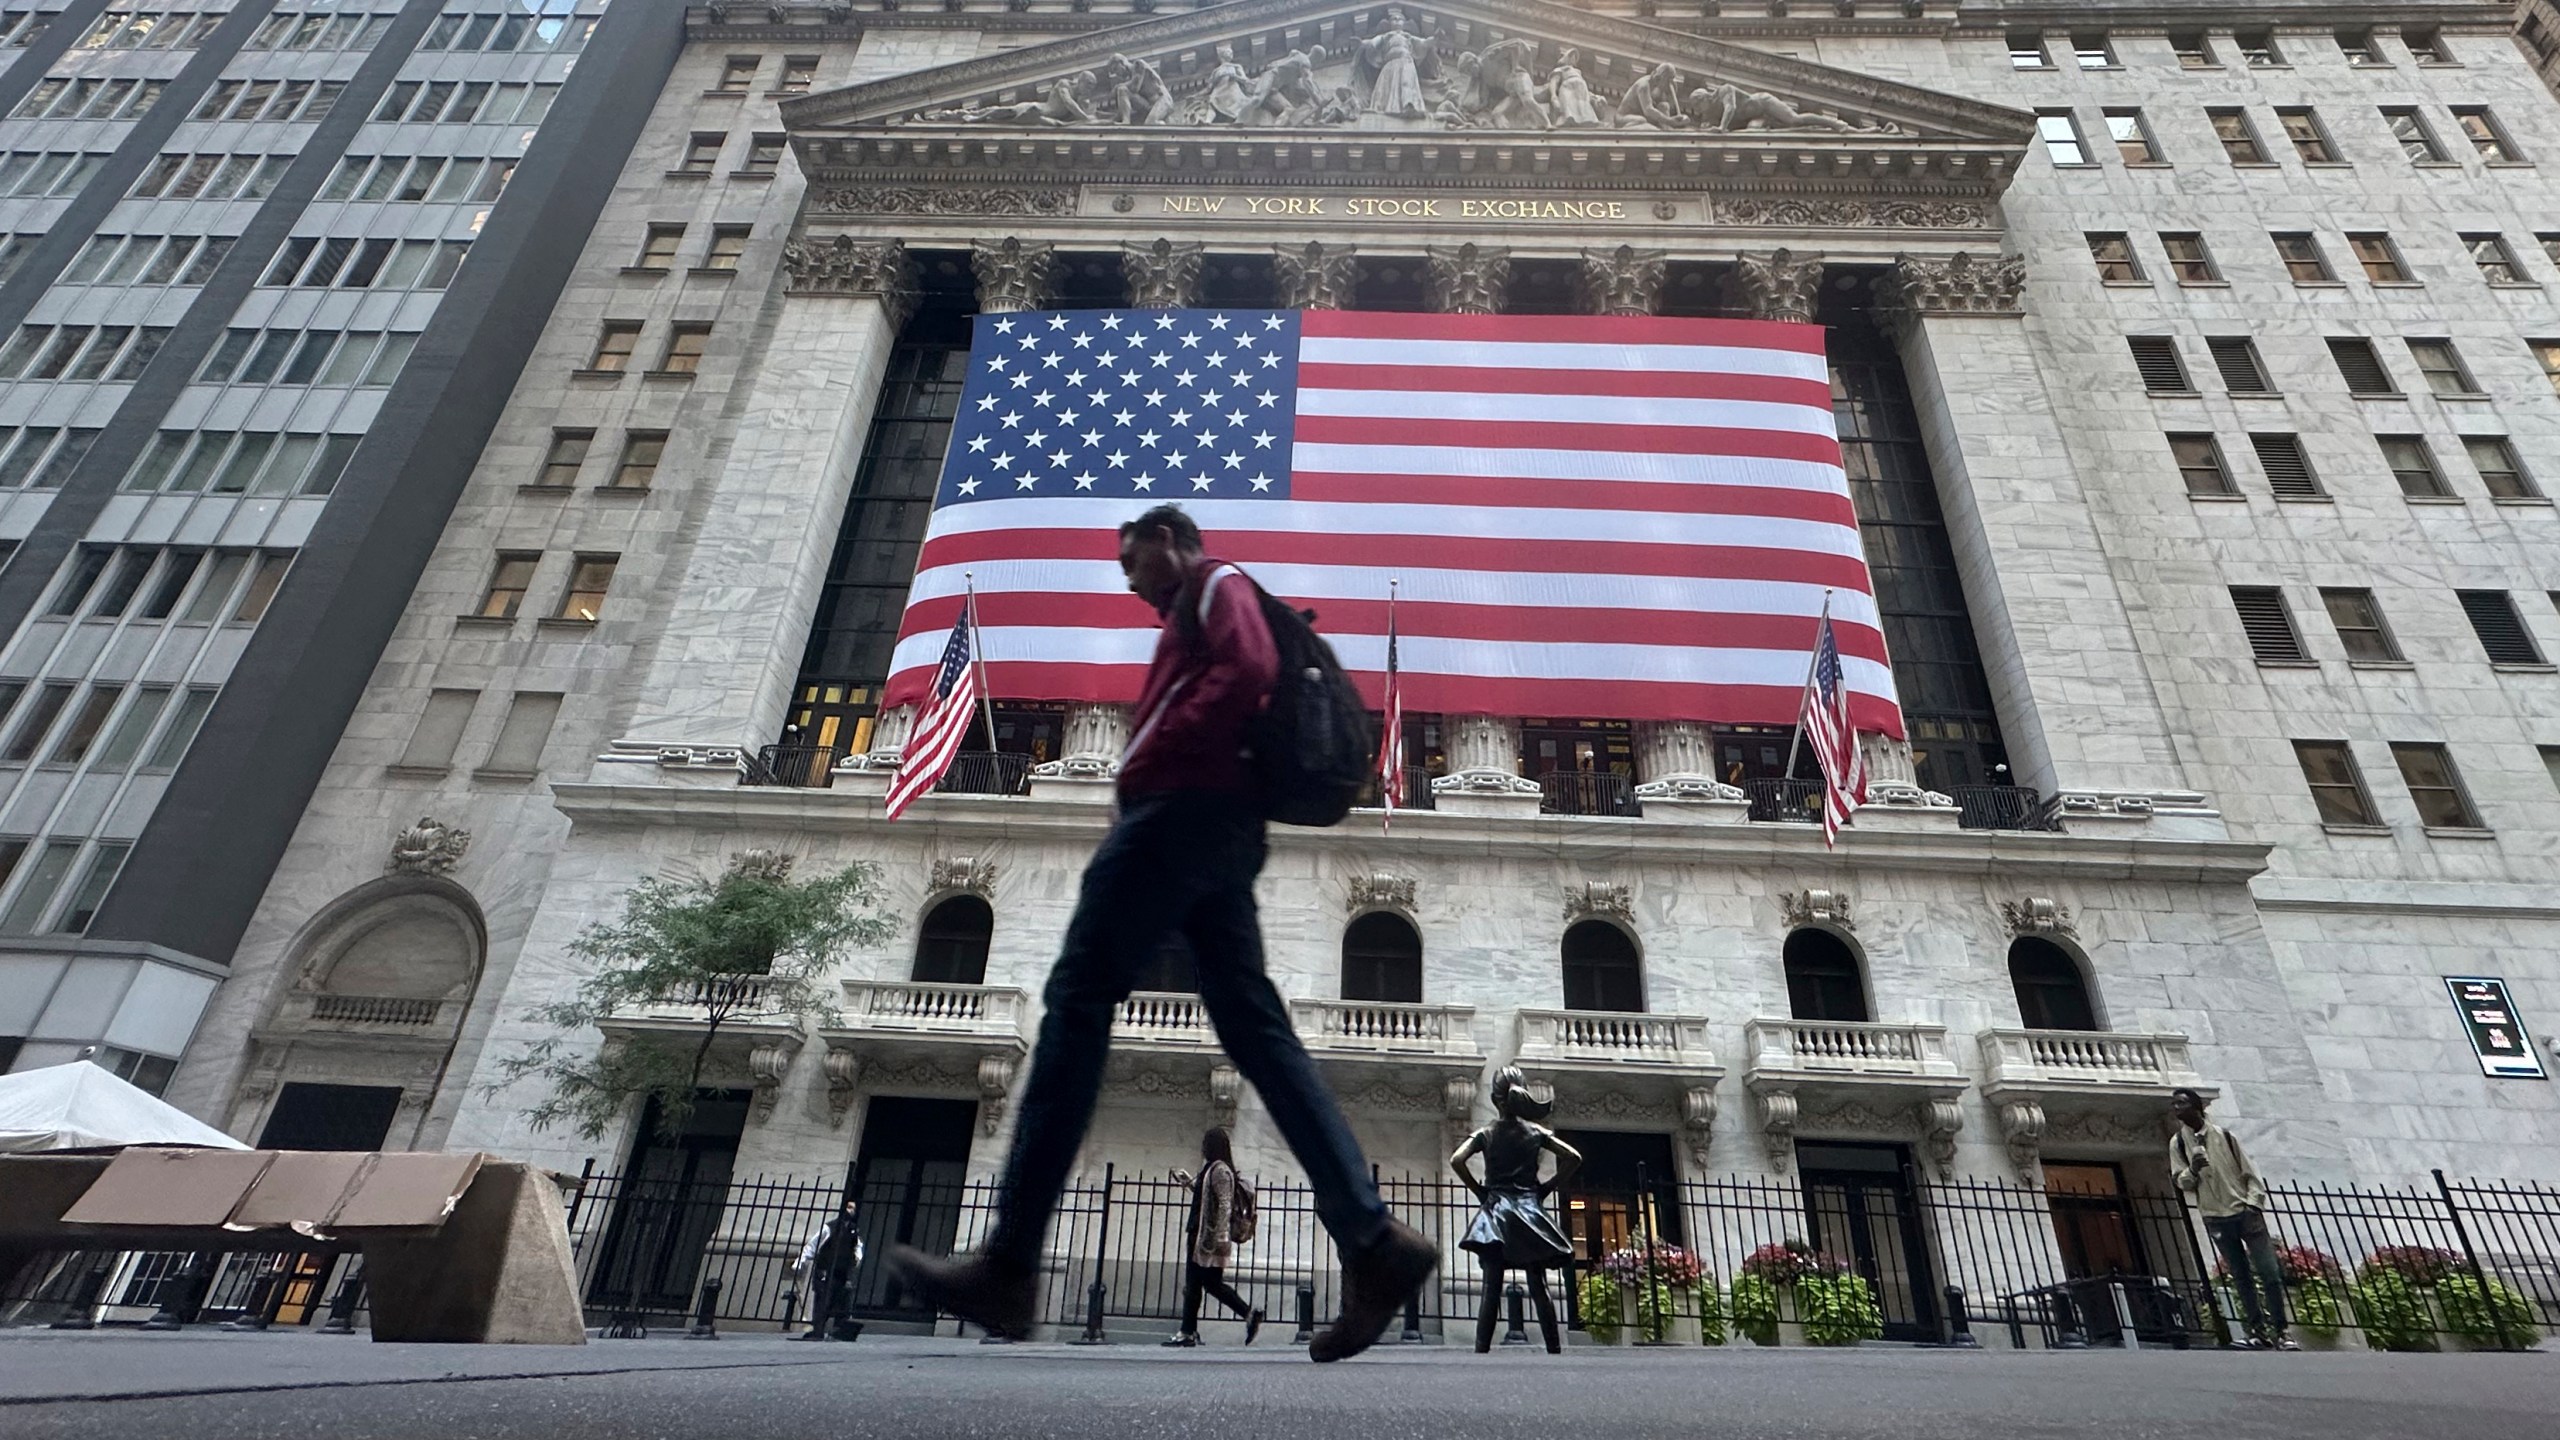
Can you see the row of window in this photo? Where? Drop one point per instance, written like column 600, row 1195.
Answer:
column 620, row 339
column 211, row 177
column 2235, row 358
column 289, row 30
column 569, row 449
column 2290, row 475
column 738, row 75
column 511, row 579
column 146, row 30
column 305, row 100
column 104, row 581
column 13, row 249
column 67, row 97
column 2376, row 254
column 509, row 32
column 41, row 457
column 702, row 154
column 422, row 177
column 463, row 102
column 2196, row 50
column 516, row 751
column 308, row 357
column 662, row 244
column 241, row 462
column 27, row 911
column 22, row 28
column 2135, row 143
column 2426, row 768
column 345, row 263
column 81, row 352
column 2357, row 618
column 35, row 173
column 147, row 260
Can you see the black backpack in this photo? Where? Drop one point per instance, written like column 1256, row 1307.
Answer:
column 1312, row 746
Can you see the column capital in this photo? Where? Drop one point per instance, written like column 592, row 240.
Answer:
column 1960, row 284
column 1314, row 276
column 1778, row 285
column 842, row 265
column 1161, row 274
column 1624, row 281
column 1014, row 274
column 1467, row 279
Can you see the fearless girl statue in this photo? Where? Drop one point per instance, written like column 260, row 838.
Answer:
column 1512, row 1230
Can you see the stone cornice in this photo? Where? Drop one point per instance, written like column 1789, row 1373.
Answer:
column 2212, row 15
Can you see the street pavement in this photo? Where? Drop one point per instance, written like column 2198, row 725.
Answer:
column 214, row 1386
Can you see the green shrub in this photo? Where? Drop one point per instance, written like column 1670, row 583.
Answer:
column 2315, row 1306
column 1710, row 1303
column 1600, row 1296
column 1755, row 1308
column 1838, row 1309
column 2392, row 1310
column 2502, row 1317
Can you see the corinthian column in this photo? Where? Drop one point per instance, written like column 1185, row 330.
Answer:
column 1467, row 279
column 1624, row 281
column 1314, row 276
column 1161, row 274
column 1779, row 285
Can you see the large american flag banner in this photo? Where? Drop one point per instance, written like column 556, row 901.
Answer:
column 1623, row 517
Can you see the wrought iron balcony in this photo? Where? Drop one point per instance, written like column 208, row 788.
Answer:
column 2097, row 1061
column 1795, row 802
column 2003, row 807
column 987, row 772
column 1384, row 1029
column 1586, row 792
column 924, row 1008
column 1613, row 1040
column 1417, row 791
column 803, row 767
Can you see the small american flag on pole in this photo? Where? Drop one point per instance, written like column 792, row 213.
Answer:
column 1391, row 734
column 944, row 723
column 1825, row 718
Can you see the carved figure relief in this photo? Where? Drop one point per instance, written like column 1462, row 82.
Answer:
column 429, row 847
column 1598, row 898
column 2037, row 915
column 1381, row 891
column 1389, row 68
column 1817, row 907
column 955, row 873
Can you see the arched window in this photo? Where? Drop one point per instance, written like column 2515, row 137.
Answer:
column 953, row 948
column 2052, row 993
column 1824, row 981
column 1601, row 971
column 1169, row 968
column 1382, row 959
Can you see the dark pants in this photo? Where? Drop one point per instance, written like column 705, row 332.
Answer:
column 2249, row 1253
column 1183, row 862
column 1197, row 1278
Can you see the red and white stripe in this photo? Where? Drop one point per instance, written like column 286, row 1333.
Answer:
column 1633, row 517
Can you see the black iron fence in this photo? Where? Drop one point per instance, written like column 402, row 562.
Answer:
column 1792, row 801
column 2003, row 807
column 1586, row 792
column 805, row 767
column 987, row 772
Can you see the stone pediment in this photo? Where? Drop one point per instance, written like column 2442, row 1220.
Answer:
column 1383, row 75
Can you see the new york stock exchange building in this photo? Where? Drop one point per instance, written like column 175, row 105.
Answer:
column 2196, row 372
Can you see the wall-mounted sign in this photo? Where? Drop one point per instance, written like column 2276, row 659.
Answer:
column 2498, row 1035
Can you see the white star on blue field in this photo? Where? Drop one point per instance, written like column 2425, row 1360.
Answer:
column 1164, row 404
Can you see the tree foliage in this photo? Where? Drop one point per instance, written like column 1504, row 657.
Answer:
column 750, row 943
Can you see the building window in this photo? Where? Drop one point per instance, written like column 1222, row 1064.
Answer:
column 701, row 154
column 181, row 734
column 2337, row 786
column 86, row 567
column 28, row 737
column 2194, row 51
column 560, row 463
column 2090, row 50
column 2361, row 367
column 2500, row 471
column 2189, row 260
column 739, row 75
column 658, row 248
column 1601, row 969
column 2061, row 136
column 2236, row 356
column 2410, row 129
column 2239, row 138
column 2287, row 468
column 641, row 452
column 1824, row 979
column 2156, row 357
column 2497, row 263
column 2114, row 256
column 264, row 581
column 131, row 567
column 2257, row 48
column 799, row 73
column 685, row 342
column 2551, row 762
column 2426, row 43
column 764, row 155
column 589, row 577
column 2310, row 141
column 2501, row 630
column 2302, row 259
column 2379, row 257
column 1382, row 960
column 526, row 730
column 2357, row 45
column 35, row 893
column 2482, row 130
column 2268, row 624
column 508, row 582
column 614, row 344
column 952, row 944
column 2358, row 621
column 2442, row 365
column 2200, row 465
column 440, row 726
column 2052, row 993
column 2132, row 137
column 2434, row 786
column 2027, row 52
column 728, row 242
column 2414, row 466
column 2546, row 353
column 132, row 728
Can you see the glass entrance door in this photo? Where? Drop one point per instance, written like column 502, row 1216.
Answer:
column 1862, row 1204
column 908, row 1182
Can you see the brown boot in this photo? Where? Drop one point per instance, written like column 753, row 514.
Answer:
column 995, row 1297
column 1375, row 1286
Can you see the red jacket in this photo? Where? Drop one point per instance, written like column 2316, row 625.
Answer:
column 1206, row 681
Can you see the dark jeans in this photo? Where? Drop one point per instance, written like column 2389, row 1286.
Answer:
column 2249, row 1253
column 1183, row 861
column 1197, row 1278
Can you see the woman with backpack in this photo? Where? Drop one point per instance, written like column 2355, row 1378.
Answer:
column 1222, row 1217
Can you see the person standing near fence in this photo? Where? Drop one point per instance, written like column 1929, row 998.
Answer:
column 826, row 1265
column 1180, row 859
column 1221, row 1204
column 2210, row 1165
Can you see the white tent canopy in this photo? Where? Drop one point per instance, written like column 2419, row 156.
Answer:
column 82, row 1107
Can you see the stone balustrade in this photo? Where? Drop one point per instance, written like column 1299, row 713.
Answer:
column 1156, row 1018
column 1850, row 1048
column 2087, row 1058
column 1385, row 1028
column 926, row 1008
column 371, row 1011
column 1613, row 1039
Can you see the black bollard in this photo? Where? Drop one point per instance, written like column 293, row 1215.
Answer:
column 706, row 1310
column 1515, row 1297
column 342, row 1306
column 181, row 1294
column 1306, row 1315
column 1959, row 1325
column 83, row 1314
column 1094, row 1296
column 1412, row 1320
column 266, row 1296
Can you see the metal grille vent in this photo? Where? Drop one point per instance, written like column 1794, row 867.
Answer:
column 2268, row 623
column 2237, row 359
column 2288, row 469
column 2156, row 356
column 2500, row 628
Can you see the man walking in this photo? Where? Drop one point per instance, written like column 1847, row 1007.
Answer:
column 2210, row 1165
column 826, row 1264
column 1180, row 859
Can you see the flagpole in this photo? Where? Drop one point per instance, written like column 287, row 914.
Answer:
column 1391, row 743
column 1810, row 661
column 978, row 658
